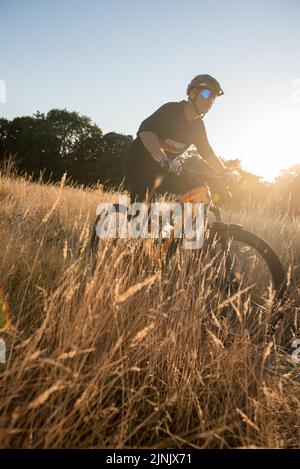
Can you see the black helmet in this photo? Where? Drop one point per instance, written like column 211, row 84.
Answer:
column 201, row 81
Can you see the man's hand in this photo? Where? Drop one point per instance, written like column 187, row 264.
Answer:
column 172, row 166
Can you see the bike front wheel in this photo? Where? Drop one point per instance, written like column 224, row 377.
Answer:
column 250, row 263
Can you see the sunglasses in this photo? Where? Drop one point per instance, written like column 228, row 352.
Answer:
column 206, row 93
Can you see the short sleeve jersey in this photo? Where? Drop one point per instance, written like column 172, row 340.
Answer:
column 175, row 133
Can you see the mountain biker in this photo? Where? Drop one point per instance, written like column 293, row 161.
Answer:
column 166, row 134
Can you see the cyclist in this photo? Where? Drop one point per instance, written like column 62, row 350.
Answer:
column 168, row 133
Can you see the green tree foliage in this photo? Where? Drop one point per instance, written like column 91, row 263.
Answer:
column 115, row 151
column 63, row 141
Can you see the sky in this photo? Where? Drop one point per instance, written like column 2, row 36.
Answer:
column 117, row 61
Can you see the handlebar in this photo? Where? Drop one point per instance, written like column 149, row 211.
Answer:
column 203, row 176
column 217, row 181
column 192, row 172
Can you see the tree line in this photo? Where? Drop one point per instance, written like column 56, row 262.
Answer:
column 49, row 145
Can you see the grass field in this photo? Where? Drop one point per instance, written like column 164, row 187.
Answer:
column 124, row 356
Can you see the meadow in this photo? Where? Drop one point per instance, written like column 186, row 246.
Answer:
column 122, row 355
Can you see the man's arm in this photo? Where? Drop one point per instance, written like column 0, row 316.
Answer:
column 151, row 130
column 215, row 163
column 152, row 144
column 207, row 153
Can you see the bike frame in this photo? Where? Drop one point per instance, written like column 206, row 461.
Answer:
column 202, row 194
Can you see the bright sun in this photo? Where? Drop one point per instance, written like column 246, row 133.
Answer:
column 272, row 144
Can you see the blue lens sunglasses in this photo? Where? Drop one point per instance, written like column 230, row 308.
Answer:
column 206, row 93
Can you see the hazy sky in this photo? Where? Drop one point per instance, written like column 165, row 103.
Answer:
column 119, row 60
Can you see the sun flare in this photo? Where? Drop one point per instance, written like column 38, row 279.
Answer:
column 272, row 144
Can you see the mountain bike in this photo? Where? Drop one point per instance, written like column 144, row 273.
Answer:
column 244, row 261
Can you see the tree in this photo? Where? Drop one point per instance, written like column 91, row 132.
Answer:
column 286, row 190
column 4, row 129
column 64, row 141
column 114, row 157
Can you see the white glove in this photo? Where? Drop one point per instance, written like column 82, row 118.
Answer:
column 175, row 167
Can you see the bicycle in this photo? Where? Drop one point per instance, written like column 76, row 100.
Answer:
column 248, row 262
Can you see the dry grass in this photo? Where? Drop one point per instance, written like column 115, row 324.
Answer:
column 125, row 356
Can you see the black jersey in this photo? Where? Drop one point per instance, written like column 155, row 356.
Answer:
column 174, row 131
